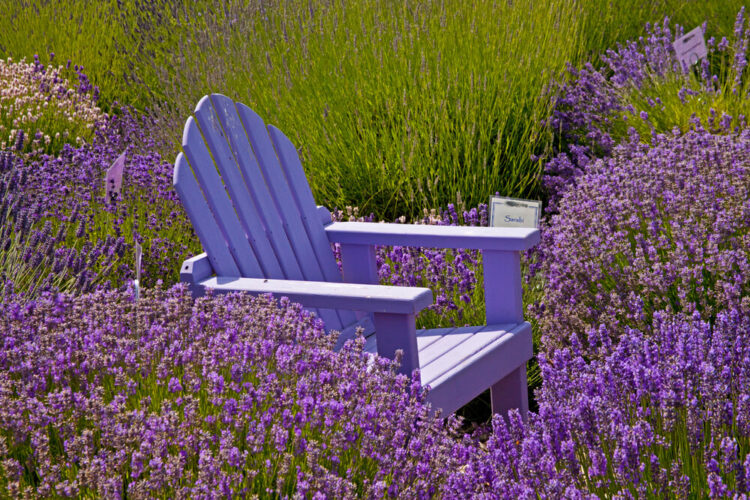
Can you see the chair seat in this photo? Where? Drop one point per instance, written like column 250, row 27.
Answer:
column 457, row 362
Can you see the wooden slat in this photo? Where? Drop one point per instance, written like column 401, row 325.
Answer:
column 282, row 195
column 308, row 212
column 467, row 352
column 202, row 219
column 465, row 380
column 397, row 332
column 445, row 344
column 372, row 298
column 423, row 235
column 272, row 245
column 216, row 195
column 256, row 185
column 426, row 338
column 284, row 203
column 233, row 181
column 459, row 348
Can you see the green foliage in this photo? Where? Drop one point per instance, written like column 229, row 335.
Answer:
column 398, row 105
column 88, row 33
column 394, row 105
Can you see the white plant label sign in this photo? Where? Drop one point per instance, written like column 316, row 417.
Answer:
column 137, row 283
column 113, row 179
column 514, row 212
column 691, row 47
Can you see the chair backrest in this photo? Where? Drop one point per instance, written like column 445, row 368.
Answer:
column 245, row 191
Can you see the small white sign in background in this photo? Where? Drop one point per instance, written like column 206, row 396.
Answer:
column 137, row 282
column 113, row 179
column 514, row 212
column 691, row 47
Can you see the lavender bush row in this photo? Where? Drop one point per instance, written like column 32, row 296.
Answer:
column 68, row 190
column 642, row 85
column 227, row 395
column 41, row 109
column 34, row 257
column 662, row 227
column 663, row 413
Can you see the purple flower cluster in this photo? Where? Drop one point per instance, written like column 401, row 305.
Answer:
column 41, row 108
column 227, row 395
column 35, row 257
column 662, row 227
column 596, row 107
column 68, row 190
column 658, row 414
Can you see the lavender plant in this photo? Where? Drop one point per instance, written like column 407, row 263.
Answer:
column 40, row 109
column 68, row 189
column 35, row 256
column 653, row 228
column 663, row 413
column 643, row 86
column 229, row 395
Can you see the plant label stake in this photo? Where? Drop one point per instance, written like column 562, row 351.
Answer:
column 514, row 212
column 137, row 282
column 690, row 48
column 113, row 179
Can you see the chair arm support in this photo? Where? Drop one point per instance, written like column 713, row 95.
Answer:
column 196, row 269
column 320, row 294
column 423, row 235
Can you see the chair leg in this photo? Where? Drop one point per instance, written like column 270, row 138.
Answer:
column 397, row 331
column 511, row 392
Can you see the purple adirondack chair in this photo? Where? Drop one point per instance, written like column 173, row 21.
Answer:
column 244, row 189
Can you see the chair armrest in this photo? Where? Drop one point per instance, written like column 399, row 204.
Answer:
column 319, row 294
column 423, row 235
column 196, row 269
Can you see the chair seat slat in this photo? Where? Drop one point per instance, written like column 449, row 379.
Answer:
column 453, row 360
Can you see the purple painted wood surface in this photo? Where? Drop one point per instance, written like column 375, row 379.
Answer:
column 241, row 200
column 397, row 332
column 351, row 296
column 263, row 234
column 281, row 193
column 465, row 371
column 423, row 235
column 511, row 392
column 308, row 212
column 502, row 286
column 259, row 191
column 196, row 269
column 358, row 266
column 324, row 215
column 210, row 183
column 203, row 220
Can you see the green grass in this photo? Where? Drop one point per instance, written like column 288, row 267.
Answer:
column 395, row 105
